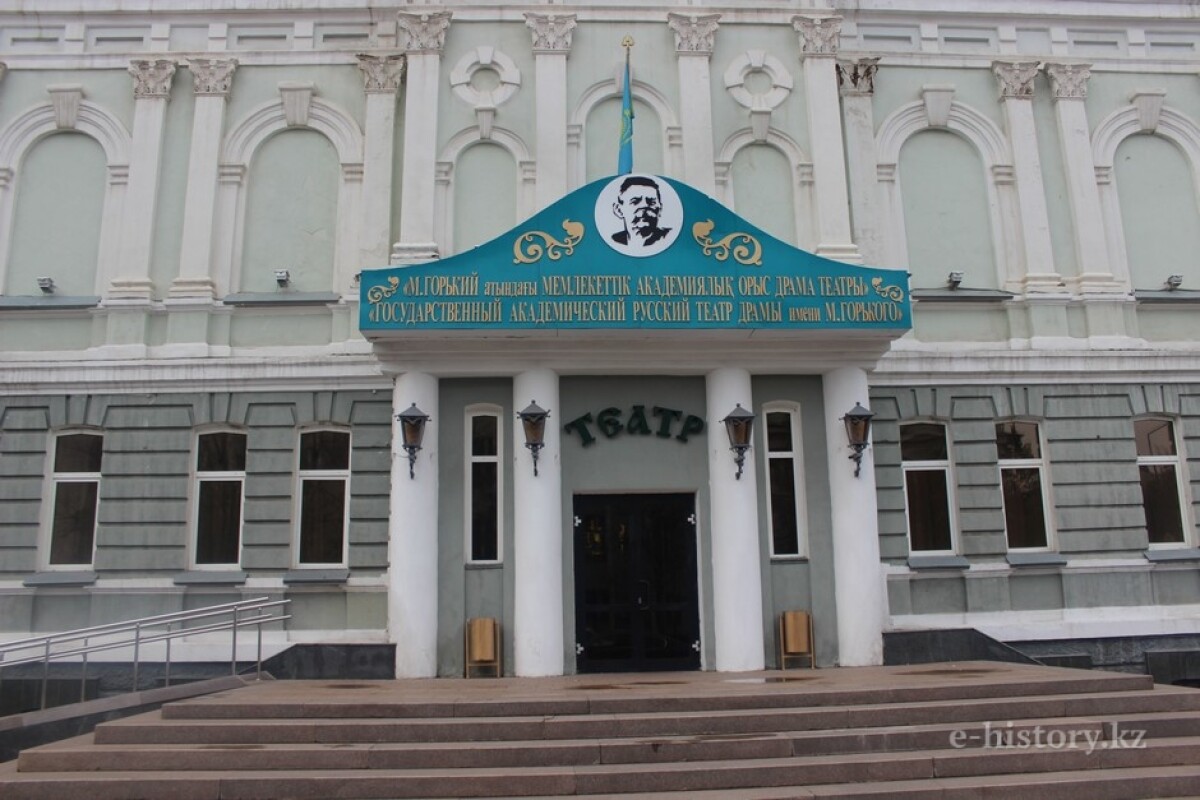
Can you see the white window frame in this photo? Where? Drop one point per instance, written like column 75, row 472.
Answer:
column 1181, row 482
column 321, row 474
column 796, row 455
column 469, row 459
column 947, row 467
column 53, row 480
column 1043, row 475
column 199, row 477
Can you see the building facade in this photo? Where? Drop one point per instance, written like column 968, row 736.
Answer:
column 195, row 201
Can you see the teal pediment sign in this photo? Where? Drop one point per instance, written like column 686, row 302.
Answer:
column 634, row 251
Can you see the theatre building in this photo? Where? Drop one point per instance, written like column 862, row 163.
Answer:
column 891, row 321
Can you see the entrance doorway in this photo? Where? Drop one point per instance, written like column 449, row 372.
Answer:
column 636, row 598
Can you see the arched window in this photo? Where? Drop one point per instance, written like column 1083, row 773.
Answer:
column 1159, row 215
column 485, row 203
column 604, row 122
column 763, row 190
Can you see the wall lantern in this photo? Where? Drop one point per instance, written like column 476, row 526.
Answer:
column 739, row 425
column 412, row 431
column 858, row 429
column 533, row 419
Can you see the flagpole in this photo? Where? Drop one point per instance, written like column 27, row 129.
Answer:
column 625, row 143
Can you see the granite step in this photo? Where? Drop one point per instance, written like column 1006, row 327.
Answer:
column 846, row 773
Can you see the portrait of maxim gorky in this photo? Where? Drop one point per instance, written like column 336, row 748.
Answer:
column 639, row 206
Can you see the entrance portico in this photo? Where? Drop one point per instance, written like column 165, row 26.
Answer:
column 636, row 415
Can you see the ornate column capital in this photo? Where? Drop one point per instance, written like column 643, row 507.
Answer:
column 152, row 77
column 551, row 32
column 382, row 74
column 819, row 36
column 423, row 33
column 1069, row 80
column 212, row 76
column 857, row 77
column 1016, row 77
column 694, row 33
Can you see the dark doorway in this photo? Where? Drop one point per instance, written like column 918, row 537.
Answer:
column 636, row 598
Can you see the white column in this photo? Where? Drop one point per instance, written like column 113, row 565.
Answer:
column 857, row 82
column 537, row 629
column 381, row 81
column 1069, row 82
column 694, row 37
column 1016, row 93
column 859, row 590
column 818, row 48
column 212, row 80
column 423, row 36
column 413, row 535
column 551, row 44
column 151, row 89
column 733, row 512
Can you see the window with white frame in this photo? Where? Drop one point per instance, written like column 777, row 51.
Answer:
column 482, row 483
column 220, row 475
column 1023, row 485
column 925, row 459
column 75, row 489
column 786, row 506
column 1162, row 481
column 324, row 479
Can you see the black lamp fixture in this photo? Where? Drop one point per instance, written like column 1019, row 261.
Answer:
column 533, row 419
column 858, row 430
column 412, row 431
column 739, row 424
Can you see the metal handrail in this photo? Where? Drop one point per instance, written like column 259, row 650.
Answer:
column 145, row 631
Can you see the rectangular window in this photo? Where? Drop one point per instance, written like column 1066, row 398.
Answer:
column 1019, row 450
column 220, row 473
column 1161, row 479
column 75, row 483
column 786, row 505
column 925, row 459
column 483, row 487
column 324, row 484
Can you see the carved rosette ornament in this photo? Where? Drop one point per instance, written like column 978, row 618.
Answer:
column 1069, row 80
column 152, row 77
column 423, row 33
column 857, row 77
column 1016, row 77
column 382, row 74
column 212, row 76
column 551, row 32
column 694, row 33
column 819, row 36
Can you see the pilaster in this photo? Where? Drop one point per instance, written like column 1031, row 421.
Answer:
column 1039, row 275
column 733, row 520
column 422, row 35
column 552, row 34
column 818, row 38
column 1069, row 84
column 382, row 76
column 856, row 79
column 694, row 38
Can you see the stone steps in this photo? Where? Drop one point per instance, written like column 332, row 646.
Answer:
column 939, row 731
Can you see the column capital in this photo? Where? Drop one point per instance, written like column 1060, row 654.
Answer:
column 212, row 76
column 856, row 77
column 423, row 33
column 1069, row 81
column 1016, row 78
column 152, row 77
column 819, row 36
column 382, row 74
column 551, row 32
column 694, row 33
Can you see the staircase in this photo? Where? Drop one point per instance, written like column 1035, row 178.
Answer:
column 974, row 729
